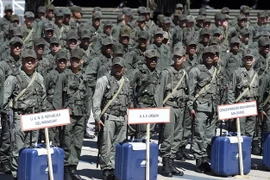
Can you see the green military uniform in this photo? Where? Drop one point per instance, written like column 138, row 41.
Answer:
column 41, row 24
column 243, row 78
column 202, row 44
column 28, row 32
column 31, row 101
column 115, row 117
column 5, row 21
column 60, row 30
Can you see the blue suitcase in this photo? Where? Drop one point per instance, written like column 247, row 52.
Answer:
column 266, row 152
column 130, row 161
column 33, row 164
column 224, row 155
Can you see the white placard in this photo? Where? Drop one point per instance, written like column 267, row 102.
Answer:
column 149, row 115
column 237, row 110
column 45, row 120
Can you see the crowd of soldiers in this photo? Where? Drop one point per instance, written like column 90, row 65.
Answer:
column 52, row 61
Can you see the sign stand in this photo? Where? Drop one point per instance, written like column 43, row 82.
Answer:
column 49, row 154
column 147, row 152
column 240, row 147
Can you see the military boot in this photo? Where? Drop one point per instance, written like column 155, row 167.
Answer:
column 67, row 175
column 74, row 174
column 108, row 174
column 199, row 166
column 206, row 164
column 166, row 169
column 6, row 168
column 175, row 171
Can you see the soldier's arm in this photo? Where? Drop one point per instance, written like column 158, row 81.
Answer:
column 47, row 80
column 160, row 90
column 44, row 94
column 91, row 72
column 263, row 85
column 192, row 83
column 58, row 91
column 134, row 78
column 8, row 89
column 232, row 87
column 129, row 62
column 98, row 96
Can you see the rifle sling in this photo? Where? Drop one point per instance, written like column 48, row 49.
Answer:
column 247, row 88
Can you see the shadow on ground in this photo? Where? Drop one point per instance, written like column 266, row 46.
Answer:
column 90, row 173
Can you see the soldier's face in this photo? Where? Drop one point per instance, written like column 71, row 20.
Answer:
column 192, row 49
column 66, row 18
column 72, row 43
column 242, row 23
column 200, row 23
column 208, row 58
column 147, row 16
column 97, row 22
column 159, row 38
column 55, row 47
column 205, row 37
column 151, row 62
column 183, row 23
column 141, row 24
column 61, row 64
column 124, row 40
column 39, row 49
column 16, row 49
column 48, row 34
column 206, row 24
column 190, row 24
column 248, row 61
column 107, row 30
column 8, row 13
column 108, row 49
column 244, row 38
column 166, row 26
column 41, row 15
column 235, row 47
column 264, row 49
column 29, row 63
column 179, row 60
column 75, row 62
column 117, row 70
column 85, row 41
column 143, row 42
column 59, row 20
column 50, row 13
column 28, row 21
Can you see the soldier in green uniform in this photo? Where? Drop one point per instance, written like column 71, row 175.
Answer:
column 205, row 35
column 48, row 19
column 40, row 15
column 125, row 39
column 72, row 40
column 86, row 44
column 117, row 28
column 28, row 30
column 60, row 30
column 245, row 39
column 18, row 101
column 77, row 14
column 111, row 116
column 71, row 93
column 244, row 87
column 202, row 106
column 95, row 25
column 173, row 92
column 67, row 16
column 5, row 21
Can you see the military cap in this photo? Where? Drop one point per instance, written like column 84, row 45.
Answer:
column 209, row 49
column 29, row 53
column 249, row 52
column 264, row 41
column 207, row 20
column 241, row 17
column 182, row 17
column 147, row 11
column 244, row 31
column 159, row 31
column 48, row 26
column 179, row 51
column 72, row 34
column 107, row 23
column 119, row 17
column 190, row 19
column 96, row 15
column 54, row 40
column 14, row 17
column 125, row 31
column 15, row 40
column 29, row 14
column 165, row 35
column 160, row 17
column 235, row 40
column 118, row 48
column 17, row 31
column 214, row 41
column 205, row 31
column 244, row 9
column 179, row 5
column 119, row 61
column 127, row 11
column 225, row 10
column 216, row 48
column 85, row 33
column 66, row 11
column 107, row 41
column 202, row 11
column 39, row 41
column 77, row 53
column 61, row 54
column 50, row 7
column 218, row 31
column 141, row 18
column 143, row 35
column 76, row 9
column 8, row 7
column 97, row 9
column 262, row 34
column 150, row 53
column 261, row 14
column 41, row 9
column 142, row 10
column 12, row 26
column 220, row 16
column 166, row 20
column 59, row 13
column 200, row 18
column 191, row 41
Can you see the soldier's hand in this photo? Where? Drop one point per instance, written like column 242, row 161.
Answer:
column 192, row 114
column 100, row 125
column 262, row 114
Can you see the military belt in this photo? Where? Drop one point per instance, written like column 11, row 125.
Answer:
column 117, row 113
column 146, row 100
column 176, row 104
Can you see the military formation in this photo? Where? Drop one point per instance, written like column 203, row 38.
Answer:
column 52, row 61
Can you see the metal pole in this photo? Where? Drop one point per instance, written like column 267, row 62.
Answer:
column 239, row 147
column 147, row 174
column 49, row 154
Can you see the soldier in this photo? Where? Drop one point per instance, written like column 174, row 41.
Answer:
column 124, row 39
column 166, row 26
column 140, row 27
column 86, row 44
column 261, row 24
column 24, row 93
column 245, row 39
column 67, row 17
column 50, row 80
column 60, row 30
column 95, row 25
column 244, row 87
column 202, row 107
column 199, row 22
column 5, row 21
column 192, row 58
column 40, row 15
column 71, row 93
column 28, row 30
column 48, row 32
column 48, row 19
column 117, row 28
column 72, row 40
column 76, row 12
column 179, row 29
column 205, row 36
column 55, row 46
column 112, row 121
column 173, row 92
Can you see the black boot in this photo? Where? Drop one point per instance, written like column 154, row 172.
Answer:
column 6, row 168
column 206, row 164
column 199, row 166
column 180, row 154
column 74, row 174
column 108, row 174
column 67, row 175
column 188, row 156
column 174, row 170
column 166, row 169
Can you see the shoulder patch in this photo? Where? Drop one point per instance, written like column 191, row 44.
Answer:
column 7, row 83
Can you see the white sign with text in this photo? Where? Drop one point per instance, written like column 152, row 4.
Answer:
column 149, row 115
column 45, row 120
column 237, row 110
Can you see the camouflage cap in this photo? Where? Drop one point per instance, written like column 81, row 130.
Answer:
column 72, row 34
column 150, row 53
column 160, row 17
column 85, row 33
column 244, row 31
column 29, row 14
column 50, row 7
column 200, row 18
column 119, row 61
column 97, row 8
column 125, row 31
column 225, row 10
column 241, row 17
column 159, row 31
column 39, row 41
column 182, row 17
column 205, row 31
column 264, row 33
column 127, row 11
column 143, row 35
column 41, row 9
column 202, row 11
column 66, row 11
column 214, row 41
column 179, row 5
column 264, row 41
column 12, row 26
column 77, row 53
column 59, row 12
column 218, row 31
column 245, row 9
column 15, row 40
column 216, row 48
column 147, row 11
column 208, row 49
column 179, row 51
column 107, row 23
column 235, row 40
column 249, row 52
column 76, row 9
column 165, row 35
column 120, row 17
column 96, row 15
column 141, row 18
column 54, row 40
column 207, row 20
column 142, row 10
column 261, row 14
column 8, row 7
column 17, row 31
column 15, row 17
column 61, row 54
column 220, row 16
column 118, row 48
column 29, row 53
column 48, row 26
column 166, row 20
column 107, row 41
column 190, row 19
column 191, row 41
